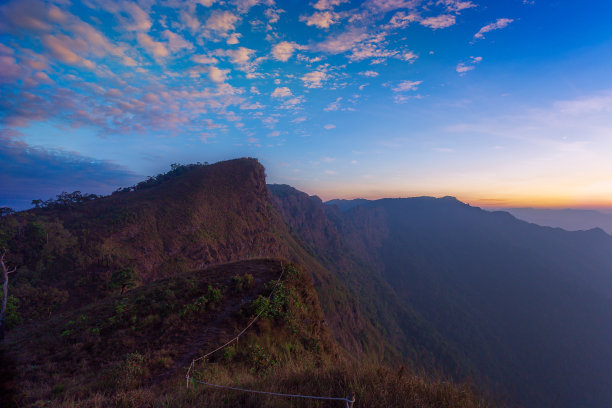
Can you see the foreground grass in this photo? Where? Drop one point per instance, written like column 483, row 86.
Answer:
column 374, row 386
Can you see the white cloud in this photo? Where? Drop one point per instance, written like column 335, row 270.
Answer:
column 405, row 86
column 464, row 67
column 204, row 59
column 329, row 126
column 156, row 48
column 334, row 106
column 456, row 5
column 498, row 25
column 408, row 56
column 276, row 133
column 321, row 19
column 389, row 5
column 282, row 92
column 299, row 120
column 221, row 22
column 217, row 75
column 328, row 4
column 401, row 19
column 442, row 21
column 233, row 39
column 176, row 42
column 284, row 50
column 241, row 57
column 370, row 74
column 314, row 79
column 336, row 44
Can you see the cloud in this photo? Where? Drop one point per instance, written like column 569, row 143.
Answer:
column 155, row 48
column 314, row 79
column 240, row 57
column 320, row 19
column 442, row 21
column 284, row 50
column 337, row 44
column 401, row 19
column 282, row 92
column 329, row 126
column 464, row 67
column 371, row 74
column 59, row 49
column 217, row 75
column 221, row 22
column 334, row 106
column 32, row 172
column 328, row 4
column 408, row 56
column 383, row 6
column 139, row 19
column 176, row 42
column 233, row 38
column 204, row 59
column 456, row 5
column 498, row 25
column 405, row 86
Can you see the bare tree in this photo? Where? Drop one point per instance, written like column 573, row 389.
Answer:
column 5, row 274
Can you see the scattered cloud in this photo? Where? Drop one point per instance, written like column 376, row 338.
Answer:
column 220, row 23
column 284, row 50
column 282, row 92
column 314, row 79
column 371, row 74
column 329, row 126
column 498, row 25
column 464, row 67
column 320, row 19
column 442, row 21
column 334, row 106
column 155, row 48
column 406, row 86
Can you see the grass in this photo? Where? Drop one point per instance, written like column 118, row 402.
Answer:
column 133, row 350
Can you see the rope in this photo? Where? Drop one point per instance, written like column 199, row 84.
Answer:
column 349, row 401
column 276, row 394
column 241, row 332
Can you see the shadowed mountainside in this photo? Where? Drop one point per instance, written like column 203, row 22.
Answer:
column 530, row 306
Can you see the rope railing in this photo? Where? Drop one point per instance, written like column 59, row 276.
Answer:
column 350, row 399
column 192, row 365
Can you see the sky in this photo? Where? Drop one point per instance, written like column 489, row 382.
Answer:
column 498, row 103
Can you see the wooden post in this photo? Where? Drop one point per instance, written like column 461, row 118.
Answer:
column 350, row 399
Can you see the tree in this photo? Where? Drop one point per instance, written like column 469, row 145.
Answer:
column 5, row 274
column 124, row 278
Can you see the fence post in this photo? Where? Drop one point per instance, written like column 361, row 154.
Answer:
column 350, row 399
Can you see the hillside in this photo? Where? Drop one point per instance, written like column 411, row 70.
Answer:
column 195, row 216
column 530, row 306
column 107, row 287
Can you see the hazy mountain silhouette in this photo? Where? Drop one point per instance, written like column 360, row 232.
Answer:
column 568, row 219
column 529, row 306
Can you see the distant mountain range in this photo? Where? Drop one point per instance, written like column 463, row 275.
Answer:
column 568, row 219
column 522, row 311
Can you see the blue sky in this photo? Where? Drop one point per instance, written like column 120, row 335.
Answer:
column 496, row 102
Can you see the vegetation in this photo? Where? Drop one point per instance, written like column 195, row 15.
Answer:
column 85, row 339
